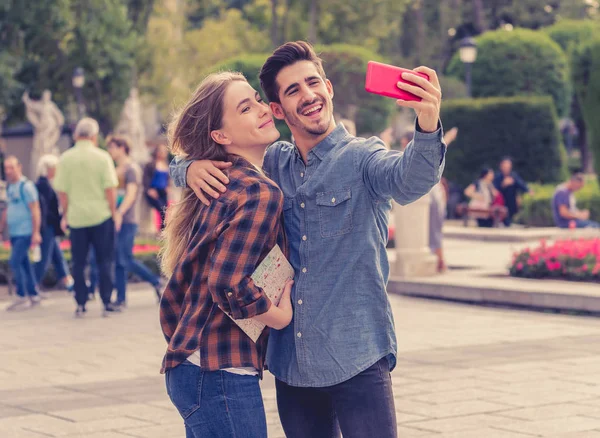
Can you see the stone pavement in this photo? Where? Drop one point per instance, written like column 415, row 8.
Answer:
column 463, row 372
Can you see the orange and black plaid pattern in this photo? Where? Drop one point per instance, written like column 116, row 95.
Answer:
column 233, row 235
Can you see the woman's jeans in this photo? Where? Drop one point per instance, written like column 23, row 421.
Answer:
column 126, row 262
column 160, row 204
column 217, row 404
column 50, row 249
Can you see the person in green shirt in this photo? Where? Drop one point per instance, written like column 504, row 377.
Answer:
column 86, row 183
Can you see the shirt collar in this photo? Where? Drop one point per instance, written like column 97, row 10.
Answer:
column 328, row 143
column 84, row 143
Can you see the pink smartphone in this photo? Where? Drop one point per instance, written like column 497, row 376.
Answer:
column 382, row 79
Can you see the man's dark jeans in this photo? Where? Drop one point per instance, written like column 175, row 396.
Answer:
column 102, row 239
column 358, row 408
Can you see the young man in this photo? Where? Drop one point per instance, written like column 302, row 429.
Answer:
column 24, row 223
column 127, row 219
column 86, row 182
column 333, row 362
column 564, row 208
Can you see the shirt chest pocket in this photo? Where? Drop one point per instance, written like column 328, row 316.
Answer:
column 335, row 212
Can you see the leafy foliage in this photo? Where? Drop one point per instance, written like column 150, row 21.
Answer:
column 532, row 64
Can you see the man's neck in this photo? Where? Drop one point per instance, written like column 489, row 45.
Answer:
column 123, row 160
column 305, row 143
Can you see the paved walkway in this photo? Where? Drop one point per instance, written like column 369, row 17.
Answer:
column 463, row 372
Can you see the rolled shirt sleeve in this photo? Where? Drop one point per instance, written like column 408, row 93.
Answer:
column 404, row 177
column 178, row 170
column 240, row 247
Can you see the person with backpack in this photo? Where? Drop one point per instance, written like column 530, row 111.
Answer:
column 51, row 230
column 24, row 219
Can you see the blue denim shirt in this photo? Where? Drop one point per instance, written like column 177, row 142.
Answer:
column 336, row 212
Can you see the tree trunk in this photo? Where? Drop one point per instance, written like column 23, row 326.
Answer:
column 312, row 24
column 587, row 158
column 479, row 16
column 420, row 34
column 284, row 19
column 274, row 24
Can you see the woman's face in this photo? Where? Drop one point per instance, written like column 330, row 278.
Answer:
column 162, row 153
column 51, row 172
column 247, row 119
column 489, row 177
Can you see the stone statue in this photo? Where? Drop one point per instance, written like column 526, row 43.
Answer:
column 130, row 124
column 47, row 121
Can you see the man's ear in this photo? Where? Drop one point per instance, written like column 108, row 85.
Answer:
column 220, row 137
column 329, row 86
column 277, row 110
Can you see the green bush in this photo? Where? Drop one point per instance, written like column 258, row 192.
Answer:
column 536, row 210
column 525, row 128
column 570, row 33
column 521, row 62
column 586, row 79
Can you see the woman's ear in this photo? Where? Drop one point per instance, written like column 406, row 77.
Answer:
column 220, row 137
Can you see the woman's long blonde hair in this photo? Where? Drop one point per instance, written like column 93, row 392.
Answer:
column 189, row 136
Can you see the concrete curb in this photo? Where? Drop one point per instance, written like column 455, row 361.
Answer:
column 514, row 234
column 486, row 295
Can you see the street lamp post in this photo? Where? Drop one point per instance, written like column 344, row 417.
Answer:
column 468, row 55
column 78, row 81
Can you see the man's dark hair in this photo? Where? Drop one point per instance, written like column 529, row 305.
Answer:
column 120, row 142
column 506, row 158
column 577, row 174
column 285, row 55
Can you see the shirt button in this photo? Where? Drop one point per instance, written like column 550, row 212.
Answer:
column 229, row 294
column 304, row 270
column 332, row 200
column 302, row 205
column 299, row 335
column 301, row 174
column 300, row 302
column 304, row 237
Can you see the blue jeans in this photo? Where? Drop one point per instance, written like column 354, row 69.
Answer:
column 50, row 249
column 217, row 404
column 586, row 224
column 362, row 406
column 102, row 240
column 125, row 262
column 20, row 266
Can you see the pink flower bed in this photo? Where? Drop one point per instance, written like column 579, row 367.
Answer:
column 564, row 259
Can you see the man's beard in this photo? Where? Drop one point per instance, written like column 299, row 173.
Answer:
column 293, row 119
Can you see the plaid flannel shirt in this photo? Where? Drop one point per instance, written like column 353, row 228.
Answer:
column 233, row 235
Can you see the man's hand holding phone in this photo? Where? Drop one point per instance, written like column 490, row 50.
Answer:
column 418, row 89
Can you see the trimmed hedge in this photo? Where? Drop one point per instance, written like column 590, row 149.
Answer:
column 526, row 128
column 536, row 210
column 521, row 62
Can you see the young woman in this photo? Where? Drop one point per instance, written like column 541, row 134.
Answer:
column 210, row 252
column 156, row 181
column 484, row 200
column 51, row 230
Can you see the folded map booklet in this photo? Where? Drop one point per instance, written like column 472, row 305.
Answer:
column 271, row 275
